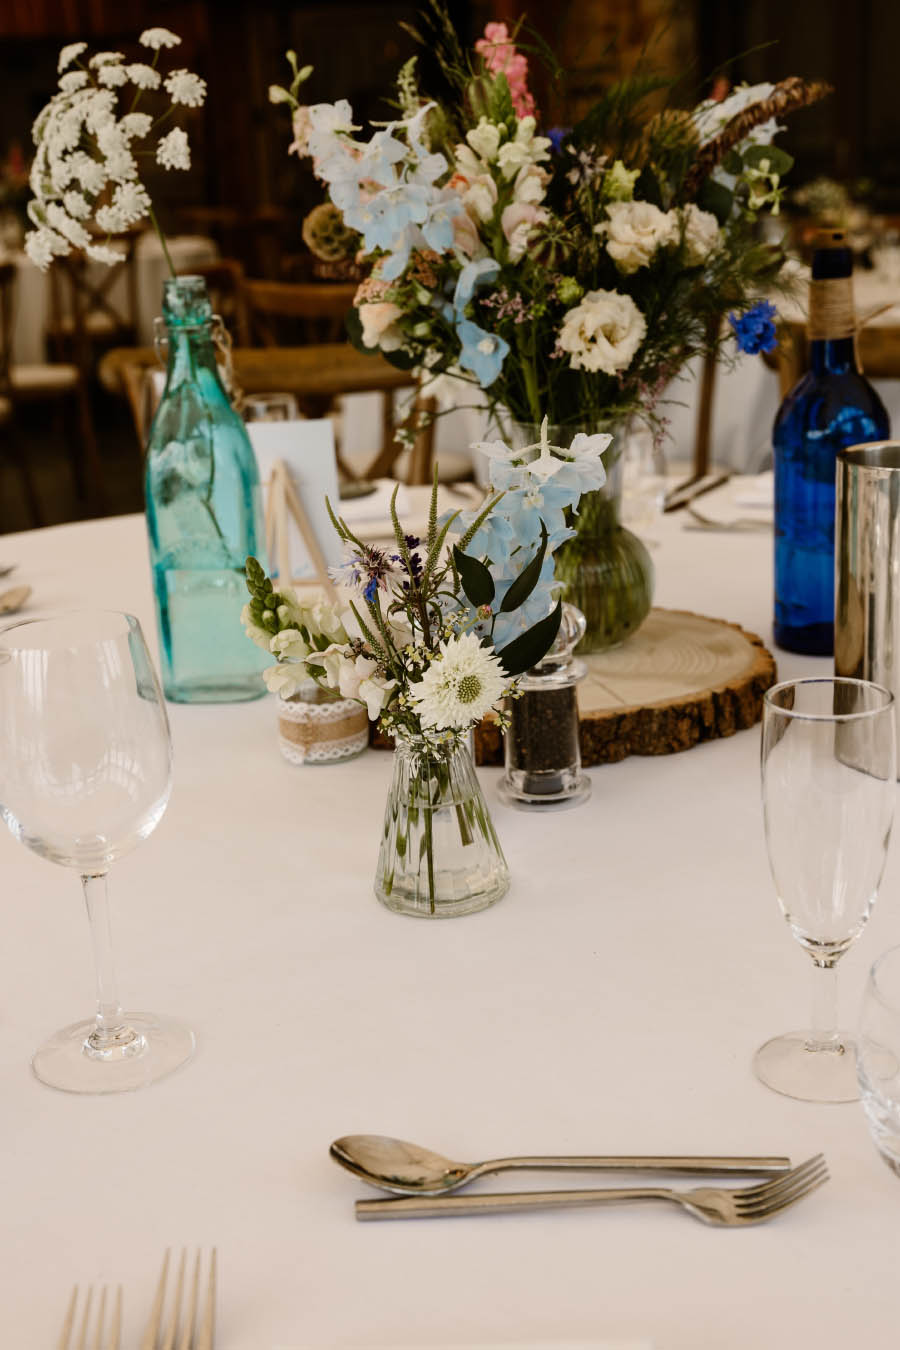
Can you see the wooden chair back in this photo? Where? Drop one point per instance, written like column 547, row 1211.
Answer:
column 7, row 314
column 84, row 311
column 225, row 283
column 281, row 313
column 877, row 350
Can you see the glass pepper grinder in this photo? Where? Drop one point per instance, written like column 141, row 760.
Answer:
column 543, row 751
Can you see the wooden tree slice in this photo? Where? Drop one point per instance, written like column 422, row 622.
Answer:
column 680, row 679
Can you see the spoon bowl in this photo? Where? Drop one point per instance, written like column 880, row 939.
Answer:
column 408, row 1169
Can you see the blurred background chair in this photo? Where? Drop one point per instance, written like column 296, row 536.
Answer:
column 225, row 282
column 61, row 384
column 93, row 306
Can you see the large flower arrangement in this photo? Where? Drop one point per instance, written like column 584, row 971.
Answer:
column 568, row 274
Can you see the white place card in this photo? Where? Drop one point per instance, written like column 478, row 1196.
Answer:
column 307, row 450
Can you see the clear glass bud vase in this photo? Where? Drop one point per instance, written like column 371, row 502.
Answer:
column 440, row 855
column 203, row 514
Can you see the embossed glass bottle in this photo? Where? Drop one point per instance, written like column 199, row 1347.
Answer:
column 203, row 515
column 830, row 407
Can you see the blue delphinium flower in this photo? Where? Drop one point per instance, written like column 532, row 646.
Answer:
column 754, row 330
column 473, row 275
column 482, row 353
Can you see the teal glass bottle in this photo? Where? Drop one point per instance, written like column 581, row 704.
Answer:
column 203, row 515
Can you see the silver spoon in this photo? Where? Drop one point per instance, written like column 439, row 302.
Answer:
column 407, row 1169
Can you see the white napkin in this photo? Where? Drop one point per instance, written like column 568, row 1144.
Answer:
column 755, row 491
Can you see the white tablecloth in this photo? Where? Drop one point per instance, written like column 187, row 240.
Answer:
column 611, row 1002
column 32, row 305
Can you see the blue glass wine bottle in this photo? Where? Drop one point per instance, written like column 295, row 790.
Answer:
column 203, row 515
column 831, row 406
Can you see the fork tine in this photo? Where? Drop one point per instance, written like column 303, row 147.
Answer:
column 187, row 1334
column 207, row 1329
column 63, row 1343
column 101, row 1318
column 784, row 1186
column 787, row 1194
column 82, row 1336
column 115, row 1326
column 792, row 1199
column 150, row 1335
column 748, row 1194
column 168, row 1340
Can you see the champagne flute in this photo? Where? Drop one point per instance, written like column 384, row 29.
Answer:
column 85, row 775
column 828, row 788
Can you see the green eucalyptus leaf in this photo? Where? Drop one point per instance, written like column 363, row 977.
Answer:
column 778, row 161
column 525, row 651
column 477, row 581
column 527, row 579
column 733, row 163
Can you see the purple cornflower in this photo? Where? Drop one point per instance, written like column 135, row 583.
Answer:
column 365, row 569
column 754, row 330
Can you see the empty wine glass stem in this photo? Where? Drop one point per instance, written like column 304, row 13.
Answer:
column 824, row 1035
column 110, row 1035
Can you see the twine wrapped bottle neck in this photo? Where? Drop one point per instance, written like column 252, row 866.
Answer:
column 831, row 311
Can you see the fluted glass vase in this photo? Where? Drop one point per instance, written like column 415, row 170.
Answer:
column 440, row 855
column 607, row 571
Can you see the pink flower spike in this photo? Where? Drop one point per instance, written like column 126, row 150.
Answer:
column 501, row 57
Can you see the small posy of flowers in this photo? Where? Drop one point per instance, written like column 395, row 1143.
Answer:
column 561, row 273
column 85, row 177
column 436, row 631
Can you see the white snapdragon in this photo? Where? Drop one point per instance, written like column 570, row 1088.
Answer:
column 480, row 197
column 174, row 151
column 379, row 325
column 518, row 221
column 634, row 231
column 155, row 38
column 183, row 86
column 531, row 184
column 485, row 140
column 603, row 332
column 526, row 148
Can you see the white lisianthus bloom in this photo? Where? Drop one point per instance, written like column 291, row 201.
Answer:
column 485, row 139
column 603, row 332
column 462, row 683
column 530, row 185
column 183, row 86
column 379, row 327
column 701, row 234
column 518, row 221
column 69, row 54
column 634, row 231
column 144, row 76
column 525, row 149
column 174, row 151
column 154, row 38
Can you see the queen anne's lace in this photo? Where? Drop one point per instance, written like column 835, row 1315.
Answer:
column 85, row 176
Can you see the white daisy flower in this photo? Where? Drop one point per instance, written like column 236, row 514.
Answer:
column 145, row 77
column 69, row 54
column 154, row 38
column 185, row 87
column 173, row 151
column 463, row 682
column 73, row 80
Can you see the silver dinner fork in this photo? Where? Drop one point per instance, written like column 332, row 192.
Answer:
column 96, row 1342
column 725, row 1207
column 192, row 1335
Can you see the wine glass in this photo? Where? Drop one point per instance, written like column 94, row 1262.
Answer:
column 828, row 788
column 85, row 775
column 878, row 1056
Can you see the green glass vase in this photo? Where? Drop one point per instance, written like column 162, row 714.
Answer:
column 607, row 571
column 203, row 515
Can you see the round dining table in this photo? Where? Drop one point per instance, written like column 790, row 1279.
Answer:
column 610, row 1003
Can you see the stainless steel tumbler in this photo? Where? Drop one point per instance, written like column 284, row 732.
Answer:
column 867, row 564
